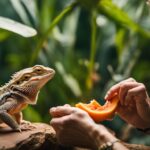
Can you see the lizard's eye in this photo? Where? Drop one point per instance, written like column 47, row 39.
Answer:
column 26, row 77
column 38, row 70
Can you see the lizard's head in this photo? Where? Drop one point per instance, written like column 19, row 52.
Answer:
column 29, row 81
column 36, row 76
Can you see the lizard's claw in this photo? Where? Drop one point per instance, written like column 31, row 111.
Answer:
column 27, row 126
column 18, row 129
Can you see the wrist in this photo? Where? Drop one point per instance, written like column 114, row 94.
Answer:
column 103, row 139
column 109, row 145
column 102, row 135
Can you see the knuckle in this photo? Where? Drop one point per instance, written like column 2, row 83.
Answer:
column 64, row 122
column 123, row 85
column 69, row 120
column 142, row 86
column 130, row 92
column 80, row 114
column 131, row 79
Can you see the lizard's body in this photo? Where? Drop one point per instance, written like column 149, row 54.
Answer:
column 22, row 90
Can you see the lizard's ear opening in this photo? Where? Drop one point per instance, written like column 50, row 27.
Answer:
column 18, row 82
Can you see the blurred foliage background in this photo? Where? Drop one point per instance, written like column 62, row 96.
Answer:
column 91, row 44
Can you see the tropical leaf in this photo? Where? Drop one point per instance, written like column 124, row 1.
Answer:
column 54, row 23
column 31, row 8
column 18, row 7
column 16, row 27
column 120, row 17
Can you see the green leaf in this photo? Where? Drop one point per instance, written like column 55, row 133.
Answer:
column 69, row 80
column 16, row 27
column 120, row 40
column 46, row 13
column 31, row 8
column 116, row 14
column 20, row 11
column 56, row 20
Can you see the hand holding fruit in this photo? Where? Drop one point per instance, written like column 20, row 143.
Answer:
column 134, row 106
column 74, row 127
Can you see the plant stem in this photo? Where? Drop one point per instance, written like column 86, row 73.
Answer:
column 43, row 38
column 92, row 49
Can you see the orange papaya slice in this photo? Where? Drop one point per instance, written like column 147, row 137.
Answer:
column 98, row 112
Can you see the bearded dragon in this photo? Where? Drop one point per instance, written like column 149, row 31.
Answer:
column 21, row 90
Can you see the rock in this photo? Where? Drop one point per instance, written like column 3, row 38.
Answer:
column 40, row 136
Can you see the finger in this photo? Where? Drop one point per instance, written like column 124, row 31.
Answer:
column 136, row 93
column 115, row 89
column 55, row 127
column 67, row 105
column 53, row 108
column 61, row 123
column 123, row 91
column 129, row 80
column 56, row 123
column 61, row 111
column 110, row 94
column 60, row 127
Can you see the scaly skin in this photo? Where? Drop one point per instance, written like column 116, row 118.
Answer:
column 22, row 89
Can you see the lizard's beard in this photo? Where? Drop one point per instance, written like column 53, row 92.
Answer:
column 28, row 93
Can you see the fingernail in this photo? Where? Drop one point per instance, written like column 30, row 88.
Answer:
column 52, row 109
column 106, row 96
column 67, row 105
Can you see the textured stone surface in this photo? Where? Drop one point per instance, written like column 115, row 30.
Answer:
column 40, row 136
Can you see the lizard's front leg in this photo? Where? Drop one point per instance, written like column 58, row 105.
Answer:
column 6, row 117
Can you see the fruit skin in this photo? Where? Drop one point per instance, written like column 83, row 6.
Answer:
column 100, row 113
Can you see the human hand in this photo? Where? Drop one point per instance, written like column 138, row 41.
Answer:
column 134, row 106
column 74, row 127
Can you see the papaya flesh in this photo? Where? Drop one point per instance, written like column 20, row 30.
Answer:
column 98, row 112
